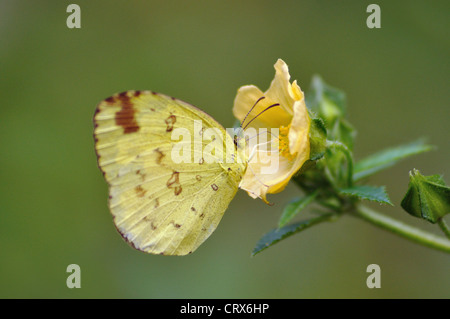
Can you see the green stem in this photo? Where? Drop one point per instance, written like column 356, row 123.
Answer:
column 441, row 222
column 409, row 232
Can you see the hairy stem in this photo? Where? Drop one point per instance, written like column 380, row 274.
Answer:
column 443, row 225
column 409, row 232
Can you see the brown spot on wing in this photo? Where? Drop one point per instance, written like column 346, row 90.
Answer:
column 160, row 156
column 138, row 172
column 214, row 187
column 126, row 116
column 198, row 177
column 174, row 182
column 150, row 220
column 170, row 121
column 177, row 190
column 110, row 100
column 175, row 224
column 140, row 192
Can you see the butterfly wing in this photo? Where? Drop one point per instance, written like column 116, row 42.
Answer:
column 159, row 205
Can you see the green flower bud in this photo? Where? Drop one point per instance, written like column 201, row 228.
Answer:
column 427, row 197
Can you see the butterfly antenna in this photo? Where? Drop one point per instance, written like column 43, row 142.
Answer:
column 268, row 108
column 261, row 98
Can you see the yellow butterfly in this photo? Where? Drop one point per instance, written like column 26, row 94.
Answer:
column 160, row 205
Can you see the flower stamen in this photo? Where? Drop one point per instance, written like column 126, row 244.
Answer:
column 284, row 143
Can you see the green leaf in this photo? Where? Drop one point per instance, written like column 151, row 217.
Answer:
column 344, row 132
column 330, row 104
column 327, row 101
column 295, row 207
column 373, row 193
column 427, row 197
column 278, row 234
column 387, row 158
column 317, row 139
column 339, row 164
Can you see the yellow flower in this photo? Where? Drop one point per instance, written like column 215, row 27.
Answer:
column 281, row 107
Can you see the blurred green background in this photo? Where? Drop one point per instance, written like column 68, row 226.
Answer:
column 53, row 197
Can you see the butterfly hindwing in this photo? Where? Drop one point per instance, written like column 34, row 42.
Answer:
column 159, row 205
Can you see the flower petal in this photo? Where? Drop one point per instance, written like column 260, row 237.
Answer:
column 299, row 130
column 280, row 89
column 287, row 169
column 244, row 101
column 253, row 181
column 259, row 184
column 292, row 149
column 297, row 92
column 246, row 96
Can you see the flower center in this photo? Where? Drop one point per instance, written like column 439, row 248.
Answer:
column 283, row 145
